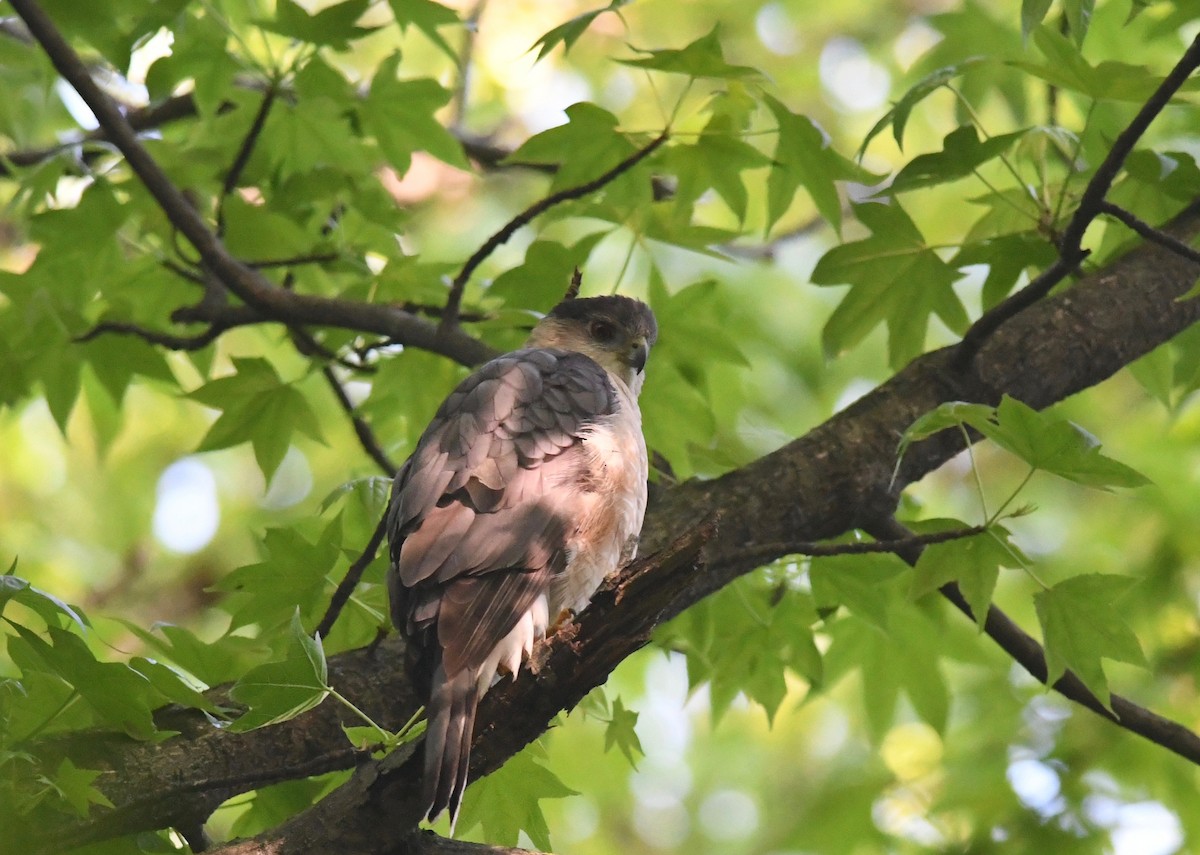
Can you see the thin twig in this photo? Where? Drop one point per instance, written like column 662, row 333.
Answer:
column 294, row 261
column 454, row 300
column 362, row 430
column 1148, row 231
column 774, row 551
column 1026, row 651
column 173, row 342
column 1070, row 251
column 234, row 175
column 342, row 595
column 465, row 57
column 183, row 272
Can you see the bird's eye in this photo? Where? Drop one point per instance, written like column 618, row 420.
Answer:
column 603, row 331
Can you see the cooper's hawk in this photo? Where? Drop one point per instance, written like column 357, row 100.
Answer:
column 525, row 491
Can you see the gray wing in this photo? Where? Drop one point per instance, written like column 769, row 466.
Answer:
column 478, row 523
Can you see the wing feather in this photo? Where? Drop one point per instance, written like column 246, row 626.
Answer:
column 478, row 525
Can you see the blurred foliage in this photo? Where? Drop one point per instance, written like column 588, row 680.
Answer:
column 176, row 519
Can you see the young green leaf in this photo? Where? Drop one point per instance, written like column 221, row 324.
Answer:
column 620, row 732
column 582, row 149
column 75, row 787
column 334, row 26
column 973, row 562
column 120, row 696
column 702, row 58
column 962, row 153
column 1007, row 257
column 858, row 582
column 279, row 691
column 1055, row 445
column 427, row 16
column 1081, row 624
column 1032, row 14
column 47, row 606
column 715, row 161
column 506, row 802
column 257, row 408
column 172, row 685
column 805, row 158
column 895, row 278
column 401, row 115
column 569, row 32
column 897, row 117
column 1042, row 440
column 293, row 573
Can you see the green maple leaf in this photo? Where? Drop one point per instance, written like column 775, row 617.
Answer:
column 119, row 695
column 259, row 408
column 895, row 278
column 972, row 562
column 401, row 115
column 292, row 573
column 279, row 691
column 716, row 160
column 334, row 26
column 75, row 786
column 583, row 148
column 962, row 153
column 507, row 802
column 702, row 58
column 569, row 32
column 1082, row 624
column 426, row 16
column 620, row 732
column 804, row 158
column 897, row 117
column 1042, row 440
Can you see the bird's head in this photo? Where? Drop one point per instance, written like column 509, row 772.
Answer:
column 617, row 332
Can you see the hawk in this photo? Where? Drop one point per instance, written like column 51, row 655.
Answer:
column 523, row 493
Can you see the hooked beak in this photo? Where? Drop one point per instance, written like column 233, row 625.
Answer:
column 639, row 355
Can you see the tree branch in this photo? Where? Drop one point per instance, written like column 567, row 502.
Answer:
column 362, row 430
column 234, row 175
column 898, row 544
column 1147, row 231
column 838, row 477
column 454, row 300
column 246, row 283
column 1070, row 249
column 1026, row 651
column 350, row 581
column 167, row 340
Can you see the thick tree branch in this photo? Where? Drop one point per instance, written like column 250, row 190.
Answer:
column 1070, row 249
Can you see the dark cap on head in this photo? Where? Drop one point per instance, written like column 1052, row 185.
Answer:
column 628, row 313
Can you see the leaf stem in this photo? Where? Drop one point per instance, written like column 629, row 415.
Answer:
column 975, row 471
column 992, row 519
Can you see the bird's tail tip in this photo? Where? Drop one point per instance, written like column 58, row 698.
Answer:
column 448, row 736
